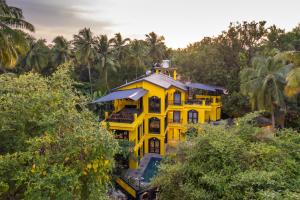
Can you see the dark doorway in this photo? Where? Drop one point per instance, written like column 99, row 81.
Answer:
column 154, row 145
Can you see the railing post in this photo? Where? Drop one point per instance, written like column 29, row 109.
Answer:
column 135, row 116
column 203, row 102
column 106, row 115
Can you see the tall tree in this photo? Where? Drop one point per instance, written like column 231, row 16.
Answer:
column 118, row 44
column 61, row 51
column 157, row 48
column 38, row 56
column 103, row 48
column 84, row 46
column 264, row 84
column 12, row 42
column 138, row 54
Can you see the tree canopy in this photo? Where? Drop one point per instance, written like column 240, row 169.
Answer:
column 51, row 145
column 241, row 161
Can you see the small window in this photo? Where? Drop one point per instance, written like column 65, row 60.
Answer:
column 176, row 116
column 154, row 104
column 140, row 132
column 154, row 125
column 166, row 101
column 193, row 116
column 120, row 134
column 177, row 98
column 166, row 121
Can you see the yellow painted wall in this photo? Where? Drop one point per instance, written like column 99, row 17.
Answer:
column 126, row 187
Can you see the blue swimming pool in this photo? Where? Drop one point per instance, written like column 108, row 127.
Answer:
column 151, row 169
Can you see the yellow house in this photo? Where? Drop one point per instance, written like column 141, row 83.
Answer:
column 153, row 111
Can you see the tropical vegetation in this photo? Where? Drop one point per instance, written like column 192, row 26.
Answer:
column 241, row 161
column 51, row 145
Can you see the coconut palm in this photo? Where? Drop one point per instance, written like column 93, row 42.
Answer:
column 105, row 51
column 264, row 84
column 12, row 41
column 84, row 46
column 61, row 51
column 156, row 45
column 138, row 54
column 118, row 44
column 292, row 87
column 38, row 56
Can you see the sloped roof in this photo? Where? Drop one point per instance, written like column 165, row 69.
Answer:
column 161, row 80
column 166, row 82
column 133, row 94
column 205, row 87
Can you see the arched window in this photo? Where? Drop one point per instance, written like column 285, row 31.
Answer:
column 154, row 145
column 177, row 98
column 154, row 104
column 193, row 116
column 154, row 125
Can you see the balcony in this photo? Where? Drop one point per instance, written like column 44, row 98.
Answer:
column 175, row 103
column 126, row 115
column 172, row 121
column 204, row 102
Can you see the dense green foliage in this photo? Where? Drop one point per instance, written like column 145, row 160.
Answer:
column 51, row 146
column 237, row 162
column 219, row 60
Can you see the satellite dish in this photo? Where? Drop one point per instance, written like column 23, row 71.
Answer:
column 165, row 63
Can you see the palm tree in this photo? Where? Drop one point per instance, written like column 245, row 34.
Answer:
column 104, row 50
column 12, row 41
column 292, row 87
column 61, row 51
column 118, row 44
column 84, row 46
column 138, row 53
column 156, row 45
column 264, row 84
column 38, row 56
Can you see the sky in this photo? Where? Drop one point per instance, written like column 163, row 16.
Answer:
column 181, row 22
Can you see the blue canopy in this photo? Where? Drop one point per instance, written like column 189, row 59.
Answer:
column 133, row 94
column 206, row 87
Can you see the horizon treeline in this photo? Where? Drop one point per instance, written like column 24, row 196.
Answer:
column 101, row 63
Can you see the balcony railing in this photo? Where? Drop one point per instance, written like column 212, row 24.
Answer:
column 198, row 102
column 126, row 115
column 173, row 121
column 175, row 103
column 190, row 102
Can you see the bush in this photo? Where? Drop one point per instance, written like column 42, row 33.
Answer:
column 233, row 162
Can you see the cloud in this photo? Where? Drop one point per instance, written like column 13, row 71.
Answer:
column 61, row 17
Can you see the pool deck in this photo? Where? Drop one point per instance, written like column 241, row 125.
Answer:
column 136, row 174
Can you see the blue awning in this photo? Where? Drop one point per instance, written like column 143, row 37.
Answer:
column 206, row 87
column 133, row 94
